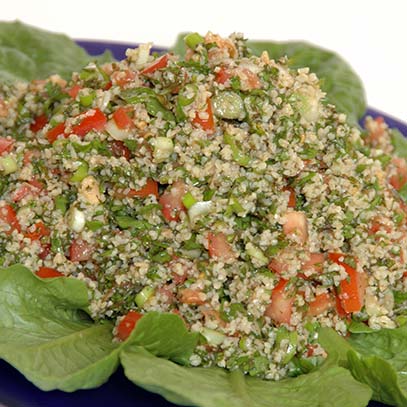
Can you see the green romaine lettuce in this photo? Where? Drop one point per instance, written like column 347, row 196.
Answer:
column 379, row 359
column 28, row 53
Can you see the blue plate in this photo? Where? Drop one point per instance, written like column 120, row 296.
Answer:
column 16, row 391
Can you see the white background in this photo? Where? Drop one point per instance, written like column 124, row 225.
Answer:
column 371, row 35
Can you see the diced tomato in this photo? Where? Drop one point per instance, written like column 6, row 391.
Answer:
column 46, row 250
column 8, row 215
column 190, row 296
column 223, row 75
column 315, row 262
column 48, row 272
column 291, row 199
column 322, row 303
column 339, row 309
column 123, row 78
column 94, row 121
column 80, row 250
column 219, row 247
column 248, row 79
column 281, row 306
column 73, row 92
column 29, row 155
column 122, row 119
column 398, row 180
column 39, row 123
column 277, row 266
column 55, row 132
column 352, row 289
column 119, row 149
column 296, row 225
column 166, row 291
column 127, row 324
column 159, row 63
column 374, row 136
column 6, row 145
column 171, row 201
column 377, row 226
column 26, row 189
column 207, row 123
column 38, row 231
column 151, row 188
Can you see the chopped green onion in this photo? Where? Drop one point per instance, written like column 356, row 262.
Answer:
column 237, row 154
column 213, row 337
column 188, row 200
column 87, row 100
column 163, row 148
column 8, row 165
column 61, row 203
column 80, row 173
column 145, row 294
column 228, row 105
column 291, row 340
column 193, row 40
column 256, row 254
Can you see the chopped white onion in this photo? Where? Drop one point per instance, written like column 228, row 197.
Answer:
column 163, row 148
column 115, row 132
column 75, row 219
column 199, row 209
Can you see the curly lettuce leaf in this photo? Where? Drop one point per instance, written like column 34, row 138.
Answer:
column 28, row 53
column 330, row 385
column 379, row 359
column 342, row 85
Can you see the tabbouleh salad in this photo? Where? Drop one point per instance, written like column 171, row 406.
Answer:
column 220, row 187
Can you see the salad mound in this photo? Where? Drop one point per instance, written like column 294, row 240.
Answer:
column 221, row 187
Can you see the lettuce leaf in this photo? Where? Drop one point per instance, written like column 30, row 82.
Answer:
column 379, row 359
column 343, row 86
column 330, row 385
column 45, row 334
column 28, row 53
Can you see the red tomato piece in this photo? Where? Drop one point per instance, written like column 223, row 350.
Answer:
column 171, row 201
column 122, row 119
column 73, row 92
column 291, row 199
column 6, row 145
column 223, row 75
column 281, row 306
column 39, row 123
column 38, row 231
column 55, row 132
column 122, row 78
column 315, row 262
column 8, row 215
column 32, row 188
column 151, row 188
column 219, row 247
column 127, row 324
column 352, row 289
column 159, row 63
column 296, row 225
column 119, row 149
column 80, row 250
column 48, row 272
column 398, row 180
column 277, row 266
column 46, row 250
column 207, row 123
column 322, row 303
column 96, row 120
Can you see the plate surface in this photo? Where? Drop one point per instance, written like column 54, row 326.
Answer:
column 16, row 391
